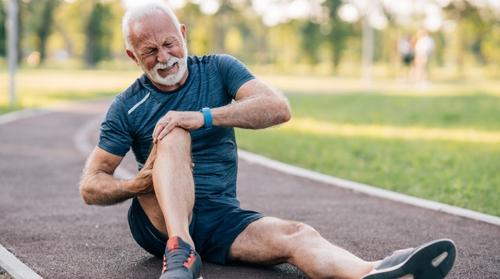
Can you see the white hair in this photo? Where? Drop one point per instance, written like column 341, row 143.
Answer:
column 141, row 10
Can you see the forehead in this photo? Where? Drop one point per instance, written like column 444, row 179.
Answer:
column 157, row 26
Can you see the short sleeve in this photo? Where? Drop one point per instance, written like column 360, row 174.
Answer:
column 233, row 73
column 114, row 133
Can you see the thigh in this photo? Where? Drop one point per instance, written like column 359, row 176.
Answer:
column 265, row 241
column 144, row 232
column 152, row 209
column 218, row 223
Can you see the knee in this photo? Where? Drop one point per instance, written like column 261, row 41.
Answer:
column 298, row 231
column 177, row 139
column 295, row 235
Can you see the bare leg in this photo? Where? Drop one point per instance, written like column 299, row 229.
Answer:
column 272, row 240
column 150, row 205
column 173, row 185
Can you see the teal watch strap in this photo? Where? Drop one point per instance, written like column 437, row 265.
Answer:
column 207, row 117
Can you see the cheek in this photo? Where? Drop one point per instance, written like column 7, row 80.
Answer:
column 149, row 63
column 178, row 52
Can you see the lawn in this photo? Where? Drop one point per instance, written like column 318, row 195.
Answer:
column 39, row 88
column 441, row 144
column 442, row 147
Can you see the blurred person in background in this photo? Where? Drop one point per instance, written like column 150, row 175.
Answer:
column 424, row 46
column 407, row 54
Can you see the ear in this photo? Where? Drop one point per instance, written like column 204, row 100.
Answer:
column 132, row 56
column 184, row 31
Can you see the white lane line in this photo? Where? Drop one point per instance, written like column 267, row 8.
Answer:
column 367, row 189
column 15, row 267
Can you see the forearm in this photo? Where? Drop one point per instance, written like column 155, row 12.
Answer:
column 101, row 188
column 253, row 113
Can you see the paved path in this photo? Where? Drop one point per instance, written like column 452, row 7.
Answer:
column 46, row 225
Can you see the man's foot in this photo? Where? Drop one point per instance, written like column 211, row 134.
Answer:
column 180, row 261
column 432, row 260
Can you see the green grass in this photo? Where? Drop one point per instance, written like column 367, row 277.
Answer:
column 39, row 88
column 470, row 111
column 461, row 173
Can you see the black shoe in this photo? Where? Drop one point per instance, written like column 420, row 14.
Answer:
column 432, row 260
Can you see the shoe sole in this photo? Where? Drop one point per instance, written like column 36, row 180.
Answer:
column 431, row 261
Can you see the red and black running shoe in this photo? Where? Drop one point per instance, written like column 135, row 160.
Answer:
column 180, row 261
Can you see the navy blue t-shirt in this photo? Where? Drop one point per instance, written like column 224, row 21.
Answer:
column 213, row 81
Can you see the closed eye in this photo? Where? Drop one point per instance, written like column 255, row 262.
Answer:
column 149, row 51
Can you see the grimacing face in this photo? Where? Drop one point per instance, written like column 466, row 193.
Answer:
column 159, row 48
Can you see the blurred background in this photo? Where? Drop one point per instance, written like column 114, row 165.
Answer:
column 404, row 95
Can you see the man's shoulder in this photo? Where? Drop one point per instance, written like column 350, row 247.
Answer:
column 208, row 59
column 129, row 97
column 135, row 91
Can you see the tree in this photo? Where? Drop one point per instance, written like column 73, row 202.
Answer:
column 98, row 31
column 41, row 15
column 311, row 41
column 3, row 33
column 339, row 31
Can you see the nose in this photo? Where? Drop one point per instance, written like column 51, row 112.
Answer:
column 163, row 55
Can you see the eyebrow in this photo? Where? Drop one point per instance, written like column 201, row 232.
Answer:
column 168, row 39
column 171, row 39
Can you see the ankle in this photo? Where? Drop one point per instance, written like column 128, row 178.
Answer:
column 186, row 238
column 372, row 266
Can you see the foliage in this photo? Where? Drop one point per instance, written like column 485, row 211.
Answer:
column 40, row 23
column 90, row 31
column 3, row 29
column 311, row 41
column 339, row 31
column 98, row 34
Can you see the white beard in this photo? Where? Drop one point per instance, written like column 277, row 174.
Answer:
column 171, row 79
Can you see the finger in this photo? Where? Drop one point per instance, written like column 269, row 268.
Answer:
column 152, row 155
column 159, row 132
column 155, row 132
column 159, row 126
column 153, row 150
column 170, row 126
column 148, row 166
column 163, row 134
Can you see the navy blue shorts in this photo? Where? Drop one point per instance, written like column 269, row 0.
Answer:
column 214, row 226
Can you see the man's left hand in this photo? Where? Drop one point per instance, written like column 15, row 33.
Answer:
column 188, row 120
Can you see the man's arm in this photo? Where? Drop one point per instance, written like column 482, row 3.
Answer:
column 99, row 186
column 257, row 106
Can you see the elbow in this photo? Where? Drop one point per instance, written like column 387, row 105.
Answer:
column 285, row 112
column 85, row 193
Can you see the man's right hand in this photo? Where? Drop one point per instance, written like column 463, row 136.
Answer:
column 144, row 179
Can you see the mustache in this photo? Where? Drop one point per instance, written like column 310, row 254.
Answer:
column 171, row 61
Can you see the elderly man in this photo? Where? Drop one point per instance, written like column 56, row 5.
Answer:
column 178, row 118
